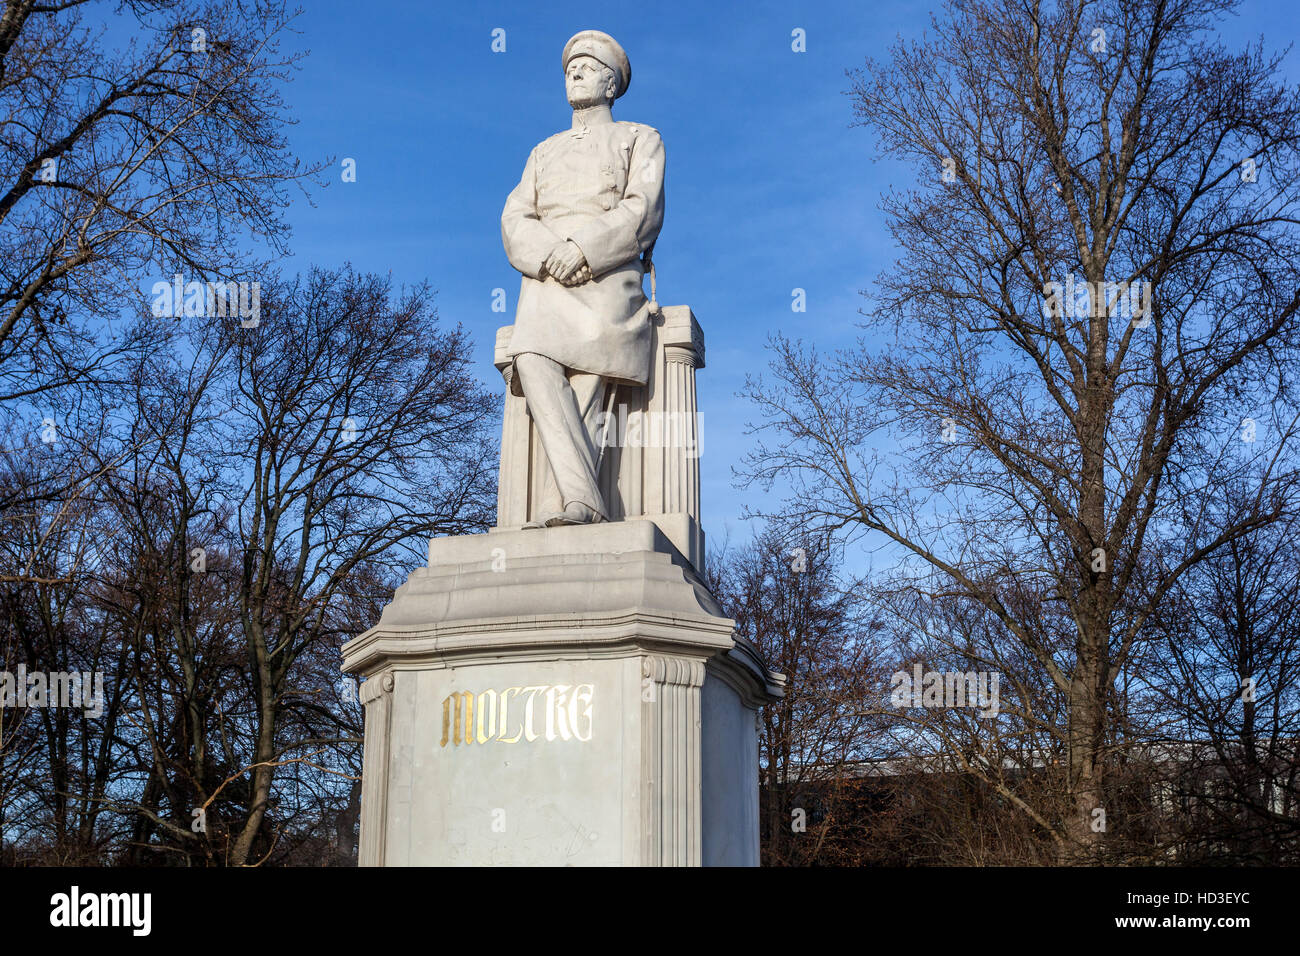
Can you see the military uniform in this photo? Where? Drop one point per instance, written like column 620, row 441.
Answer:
column 599, row 186
column 602, row 187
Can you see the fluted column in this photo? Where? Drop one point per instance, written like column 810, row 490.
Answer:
column 680, row 433
column 670, row 760
column 682, row 341
column 376, row 697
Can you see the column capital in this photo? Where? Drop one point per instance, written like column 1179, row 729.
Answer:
column 374, row 687
column 683, row 671
column 682, row 331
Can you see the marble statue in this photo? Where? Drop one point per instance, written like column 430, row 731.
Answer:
column 580, row 227
column 574, row 696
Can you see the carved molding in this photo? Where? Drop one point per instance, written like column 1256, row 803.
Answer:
column 377, row 696
column 681, row 355
column 375, row 687
column 673, row 670
column 680, row 328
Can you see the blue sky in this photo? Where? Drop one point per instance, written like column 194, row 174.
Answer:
column 768, row 186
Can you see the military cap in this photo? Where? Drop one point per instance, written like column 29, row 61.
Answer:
column 604, row 48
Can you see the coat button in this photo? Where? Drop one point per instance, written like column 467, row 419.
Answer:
column 605, row 203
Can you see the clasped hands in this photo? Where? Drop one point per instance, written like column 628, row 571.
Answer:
column 567, row 264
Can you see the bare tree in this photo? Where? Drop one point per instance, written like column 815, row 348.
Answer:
column 361, row 430
column 787, row 597
column 162, row 157
column 1223, row 673
column 269, row 488
column 117, row 163
column 1099, row 280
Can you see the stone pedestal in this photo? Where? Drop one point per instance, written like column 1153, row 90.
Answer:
column 559, row 696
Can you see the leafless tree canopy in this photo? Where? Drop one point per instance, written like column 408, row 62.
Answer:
column 261, row 493
column 199, row 504
column 1049, row 469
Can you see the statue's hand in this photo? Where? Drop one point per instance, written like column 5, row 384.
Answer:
column 565, row 262
column 580, row 275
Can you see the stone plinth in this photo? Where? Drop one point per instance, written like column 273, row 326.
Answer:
column 560, row 696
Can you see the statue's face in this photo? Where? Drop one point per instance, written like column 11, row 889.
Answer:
column 588, row 82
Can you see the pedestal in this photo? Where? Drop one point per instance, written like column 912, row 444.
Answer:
column 559, row 696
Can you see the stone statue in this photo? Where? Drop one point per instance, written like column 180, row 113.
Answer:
column 581, row 226
column 583, row 673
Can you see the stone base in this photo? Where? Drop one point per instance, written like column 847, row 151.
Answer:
column 559, row 696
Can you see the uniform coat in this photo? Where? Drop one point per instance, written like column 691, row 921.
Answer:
column 602, row 187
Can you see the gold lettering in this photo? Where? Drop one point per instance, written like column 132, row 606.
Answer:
column 455, row 717
column 529, row 734
column 488, row 696
column 583, row 693
column 505, row 715
column 555, row 712
column 568, row 714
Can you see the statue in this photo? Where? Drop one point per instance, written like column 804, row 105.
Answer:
column 580, row 227
column 577, row 667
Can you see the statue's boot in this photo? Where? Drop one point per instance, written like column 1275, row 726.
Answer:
column 575, row 513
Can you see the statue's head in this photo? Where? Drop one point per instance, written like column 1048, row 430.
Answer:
column 596, row 70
